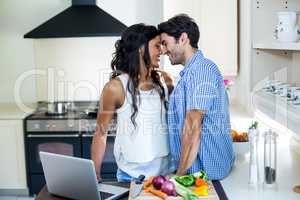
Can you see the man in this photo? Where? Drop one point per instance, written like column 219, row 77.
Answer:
column 198, row 118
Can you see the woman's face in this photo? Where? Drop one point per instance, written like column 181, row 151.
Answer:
column 155, row 51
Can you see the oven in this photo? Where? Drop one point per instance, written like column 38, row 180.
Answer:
column 60, row 143
column 69, row 134
column 54, row 136
column 65, row 144
column 109, row 166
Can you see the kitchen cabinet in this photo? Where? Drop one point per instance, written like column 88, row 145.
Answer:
column 273, row 60
column 218, row 24
column 12, row 158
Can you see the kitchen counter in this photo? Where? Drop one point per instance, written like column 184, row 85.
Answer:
column 288, row 167
column 10, row 111
column 45, row 195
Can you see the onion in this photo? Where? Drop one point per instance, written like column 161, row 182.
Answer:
column 169, row 188
column 158, row 181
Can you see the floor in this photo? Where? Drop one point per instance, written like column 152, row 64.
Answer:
column 15, row 198
column 240, row 121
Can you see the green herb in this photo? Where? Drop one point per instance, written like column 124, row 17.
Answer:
column 254, row 125
column 202, row 174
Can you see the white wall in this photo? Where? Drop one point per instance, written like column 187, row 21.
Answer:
column 243, row 81
column 16, row 53
column 134, row 11
column 73, row 68
column 218, row 33
column 81, row 66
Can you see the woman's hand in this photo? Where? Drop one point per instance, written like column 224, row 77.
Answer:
column 167, row 78
column 99, row 178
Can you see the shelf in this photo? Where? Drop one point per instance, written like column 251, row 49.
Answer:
column 278, row 109
column 293, row 46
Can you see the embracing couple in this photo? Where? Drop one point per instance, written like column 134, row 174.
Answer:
column 162, row 129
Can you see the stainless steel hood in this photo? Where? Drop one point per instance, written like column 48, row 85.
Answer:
column 83, row 19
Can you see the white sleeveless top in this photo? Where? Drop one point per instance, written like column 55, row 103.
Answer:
column 142, row 149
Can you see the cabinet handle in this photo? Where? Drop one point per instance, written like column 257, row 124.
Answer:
column 87, row 135
column 91, row 135
column 52, row 136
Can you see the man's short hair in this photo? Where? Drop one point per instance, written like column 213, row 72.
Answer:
column 179, row 24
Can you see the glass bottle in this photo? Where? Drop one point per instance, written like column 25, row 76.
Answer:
column 253, row 164
column 270, row 158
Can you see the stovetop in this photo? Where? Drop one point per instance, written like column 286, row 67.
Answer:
column 81, row 117
column 42, row 115
column 75, row 110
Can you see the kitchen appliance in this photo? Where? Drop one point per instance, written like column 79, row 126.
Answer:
column 287, row 29
column 83, row 19
column 70, row 134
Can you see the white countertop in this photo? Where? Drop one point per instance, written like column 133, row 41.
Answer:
column 10, row 111
column 288, row 168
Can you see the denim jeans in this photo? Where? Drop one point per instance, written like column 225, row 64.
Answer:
column 123, row 176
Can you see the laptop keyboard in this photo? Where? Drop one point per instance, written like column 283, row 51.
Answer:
column 105, row 195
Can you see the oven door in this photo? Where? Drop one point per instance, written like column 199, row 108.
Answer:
column 65, row 144
column 109, row 165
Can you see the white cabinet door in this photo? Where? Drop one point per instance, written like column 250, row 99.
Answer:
column 218, row 24
column 219, row 33
column 12, row 157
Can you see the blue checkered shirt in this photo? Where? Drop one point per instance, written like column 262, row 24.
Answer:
column 201, row 87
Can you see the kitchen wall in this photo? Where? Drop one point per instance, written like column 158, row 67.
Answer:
column 78, row 68
column 78, row 80
column 17, row 57
column 72, row 68
column 242, row 86
column 16, row 53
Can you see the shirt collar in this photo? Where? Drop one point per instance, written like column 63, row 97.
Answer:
column 197, row 54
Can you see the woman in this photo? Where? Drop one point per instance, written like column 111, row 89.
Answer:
column 138, row 94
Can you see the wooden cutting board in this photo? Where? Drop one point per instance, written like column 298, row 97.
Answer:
column 212, row 194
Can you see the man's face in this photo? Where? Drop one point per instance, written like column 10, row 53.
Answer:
column 172, row 49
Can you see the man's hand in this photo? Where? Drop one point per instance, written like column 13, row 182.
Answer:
column 190, row 140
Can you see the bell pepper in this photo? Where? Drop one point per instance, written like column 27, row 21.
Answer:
column 199, row 182
column 187, row 180
column 201, row 191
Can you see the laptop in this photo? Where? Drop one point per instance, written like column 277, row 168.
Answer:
column 75, row 178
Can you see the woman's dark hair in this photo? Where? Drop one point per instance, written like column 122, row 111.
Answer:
column 180, row 24
column 126, row 60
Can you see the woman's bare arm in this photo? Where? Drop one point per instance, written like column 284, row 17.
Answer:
column 111, row 98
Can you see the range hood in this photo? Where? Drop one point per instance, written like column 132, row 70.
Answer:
column 83, row 19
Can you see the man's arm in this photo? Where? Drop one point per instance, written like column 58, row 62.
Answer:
column 190, row 140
